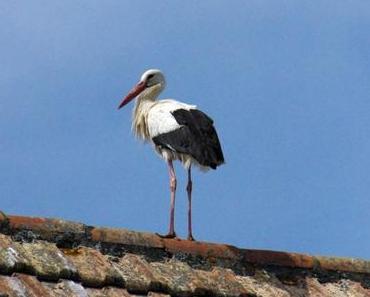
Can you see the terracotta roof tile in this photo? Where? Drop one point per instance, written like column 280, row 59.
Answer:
column 136, row 273
column 32, row 286
column 67, row 288
column 263, row 284
column 207, row 250
column 45, row 260
column 262, row 257
column 46, row 228
column 10, row 258
column 176, row 276
column 5, row 288
column 126, row 237
column 108, row 291
column 151, row 294
column 94, row 268
column 51, row 257
column 342, row 264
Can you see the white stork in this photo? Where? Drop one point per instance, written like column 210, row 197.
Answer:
column 177, row 130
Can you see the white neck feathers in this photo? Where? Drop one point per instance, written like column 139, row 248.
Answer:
column 143, row 104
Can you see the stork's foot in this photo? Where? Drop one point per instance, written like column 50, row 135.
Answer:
column 191, row 238
column 168, row 235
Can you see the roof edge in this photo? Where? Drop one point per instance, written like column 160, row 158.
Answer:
column 67, row 233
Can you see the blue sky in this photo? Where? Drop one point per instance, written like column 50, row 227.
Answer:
column 286, row 82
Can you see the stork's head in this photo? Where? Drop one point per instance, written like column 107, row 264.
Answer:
column 152, row 78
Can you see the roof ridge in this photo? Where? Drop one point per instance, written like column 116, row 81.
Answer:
column 71, row 234
column 54, row 254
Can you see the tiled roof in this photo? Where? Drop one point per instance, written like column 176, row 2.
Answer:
column 51, row 257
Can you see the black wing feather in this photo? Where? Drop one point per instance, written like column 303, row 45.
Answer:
column 196, row 137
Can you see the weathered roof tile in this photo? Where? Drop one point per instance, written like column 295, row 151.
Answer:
column 342, row 288
column 174, row 275
column 263, row 257
column 33, row 286
column 67, row 288
column 94, row 269
column 227, row 283
column 152, row 294
column 10, row 258
column 353, row 288
column 5, row 288
column 45, row 260
column 107, row 292
column 207, row 250
column 49, row 229
column 17, row 288
column 126, row 237
column 263, row 284
column 342, row 264
column 136, row 273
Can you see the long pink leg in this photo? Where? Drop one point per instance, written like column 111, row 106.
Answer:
column 189, row 188
column 173, row 182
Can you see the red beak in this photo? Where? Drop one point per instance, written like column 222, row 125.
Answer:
column 133, row 93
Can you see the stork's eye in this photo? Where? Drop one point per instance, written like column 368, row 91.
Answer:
column 150, row 76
